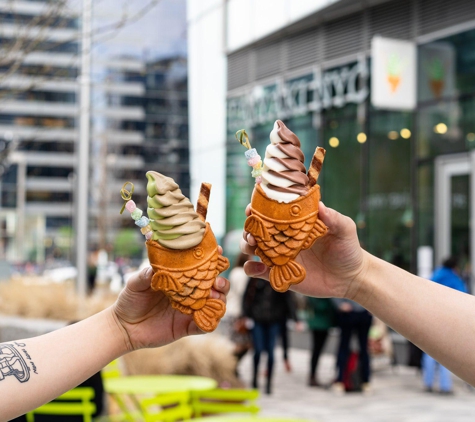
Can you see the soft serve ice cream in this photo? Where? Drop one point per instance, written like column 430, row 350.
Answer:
column 173, row 220
column 284, row 175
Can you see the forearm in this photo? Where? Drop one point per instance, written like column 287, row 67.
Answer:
column 439, row 320
column 58, row 361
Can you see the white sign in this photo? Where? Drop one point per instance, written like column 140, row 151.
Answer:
column 322, row 90
column 393, row 74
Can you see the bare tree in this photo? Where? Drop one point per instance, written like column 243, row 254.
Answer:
column 26, row 35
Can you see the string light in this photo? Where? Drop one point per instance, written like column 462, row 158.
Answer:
column 334, row 142
column 361, row 137
column 470, row 137
column 405, row 133
column 393, row 135
column 440, row 128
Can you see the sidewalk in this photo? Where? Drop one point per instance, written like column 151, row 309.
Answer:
column 397, row 395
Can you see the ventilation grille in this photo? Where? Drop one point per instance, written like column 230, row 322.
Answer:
column 303, row 49
column 344, row 36
column 438, row 14
column 239, row 69
column 268, row 60
column 391, row 20
column 401, row 19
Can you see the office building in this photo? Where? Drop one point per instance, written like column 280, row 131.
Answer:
column 138, row 122
column 402, row 171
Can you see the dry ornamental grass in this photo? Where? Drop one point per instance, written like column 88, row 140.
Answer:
column 36, row 297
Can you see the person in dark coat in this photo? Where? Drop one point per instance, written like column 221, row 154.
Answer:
column 321, row 316
column 352, row 317
column 267, row 309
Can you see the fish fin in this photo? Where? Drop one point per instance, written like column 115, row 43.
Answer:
column 183, row 309
column 319, row 229
column 260, row 253
column 255, row 226
column 223, row 264
column 207, row 318
column 165, row 282
column 281, row 277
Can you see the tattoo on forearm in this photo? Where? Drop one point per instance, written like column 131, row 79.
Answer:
column 16, row 361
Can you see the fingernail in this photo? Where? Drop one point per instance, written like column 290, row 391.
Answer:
column 214, row 294
column 260, row 267
column 220, row 282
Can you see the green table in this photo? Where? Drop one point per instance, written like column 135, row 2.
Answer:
column 246, row 419
column 140, row 385
column 157, row 384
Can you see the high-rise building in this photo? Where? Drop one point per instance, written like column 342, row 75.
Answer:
column 138, row 120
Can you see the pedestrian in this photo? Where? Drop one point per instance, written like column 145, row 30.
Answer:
column 321, row 316
column 36, row 370
column 447, row 276
column 284, row 331
column 352, row 318
column 267, row 309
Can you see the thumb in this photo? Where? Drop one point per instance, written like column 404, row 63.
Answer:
column 256, row 269
column 141, row 281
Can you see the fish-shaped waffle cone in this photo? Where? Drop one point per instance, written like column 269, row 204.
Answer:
column 186, row 277
column 282, row 230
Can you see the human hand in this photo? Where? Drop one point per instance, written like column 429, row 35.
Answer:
column 146, row 317
column 335, row 264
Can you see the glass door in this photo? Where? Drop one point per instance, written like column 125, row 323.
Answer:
column 454, row 196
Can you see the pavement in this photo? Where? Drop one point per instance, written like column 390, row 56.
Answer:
column 396, row 394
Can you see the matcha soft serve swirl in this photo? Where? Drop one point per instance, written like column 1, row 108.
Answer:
column 174, row 222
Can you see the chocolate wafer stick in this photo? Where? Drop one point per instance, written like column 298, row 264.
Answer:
column 316, row 166
column 203, row 200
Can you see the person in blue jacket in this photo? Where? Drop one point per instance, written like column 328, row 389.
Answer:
column 447, row 276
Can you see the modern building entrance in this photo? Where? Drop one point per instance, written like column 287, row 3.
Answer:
column 454, row 209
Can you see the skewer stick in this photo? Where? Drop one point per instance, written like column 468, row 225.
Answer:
column 203, row 200
column 316, row 166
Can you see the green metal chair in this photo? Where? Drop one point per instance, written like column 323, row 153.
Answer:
column 224, row 401
column 111, row 370
column 77, row 401
column 169, row 407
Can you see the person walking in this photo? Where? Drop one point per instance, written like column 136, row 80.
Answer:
column 352, row 317
column 447, row 276
column 321, row 316
column 267, row 309
column 291, row 314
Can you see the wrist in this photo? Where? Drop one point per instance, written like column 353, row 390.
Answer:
column 124, row 344
column 360, row 288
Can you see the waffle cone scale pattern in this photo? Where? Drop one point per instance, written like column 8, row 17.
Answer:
column 187, row 276
column 281, row 231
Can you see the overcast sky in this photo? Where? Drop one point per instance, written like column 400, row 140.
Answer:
column 159, row 33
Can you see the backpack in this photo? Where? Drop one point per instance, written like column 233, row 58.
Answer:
column 351, row 375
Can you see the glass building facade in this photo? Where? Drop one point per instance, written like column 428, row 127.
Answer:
column 380, row 167
column 138, row 109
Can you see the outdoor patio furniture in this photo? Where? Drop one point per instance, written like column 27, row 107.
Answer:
column 77, row 401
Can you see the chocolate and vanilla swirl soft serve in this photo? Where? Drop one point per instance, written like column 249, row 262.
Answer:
column 284, row 177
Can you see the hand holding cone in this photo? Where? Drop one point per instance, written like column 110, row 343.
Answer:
column 284, row 208
column 182, row 250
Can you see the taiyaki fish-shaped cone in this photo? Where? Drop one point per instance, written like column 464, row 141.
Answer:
column 288, row 222
column 186, row 277
column 184, row 252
